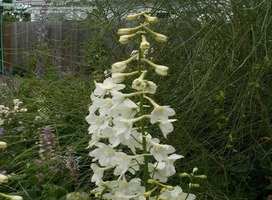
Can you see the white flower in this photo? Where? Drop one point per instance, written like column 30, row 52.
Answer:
column 127, row 109
column 123, row 126
column 107, row 86
column 139, row 84
column 150, row 87
column 119, row 196
column 166, row 127
column 104, row 154
column 129, row 188
column 144, row 85
column 169, row 164
column 123, row 162
column 160, row 151
column 94, row 141
column 97, row 123
column 98, row 173
column 161, row 114
column 177, row 194
column 158, row 171
column 113, row 138
column 133, row 142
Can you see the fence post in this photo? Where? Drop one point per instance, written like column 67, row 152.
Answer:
column 2, row 56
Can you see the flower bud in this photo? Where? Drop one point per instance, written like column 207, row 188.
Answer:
column 169, row 187
column 15, row 198
column 133, row 17
column 147, row 194
column 122, row 65
column 118, row 67
column 184, row 174
column 160, row 37
column 144, row 44
column 139, row 84
column 195, row 169
column 151, row 19
column 161, row 70
column 126, row 38
column 3, row 178
column 201, row 176
column 3, row 145
column 191, row 185
column 124, row 31
column 118, row 77
column 151, row 181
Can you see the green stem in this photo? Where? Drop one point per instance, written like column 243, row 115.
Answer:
column 144, row 144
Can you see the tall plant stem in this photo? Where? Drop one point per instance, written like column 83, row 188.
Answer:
column 145, row 167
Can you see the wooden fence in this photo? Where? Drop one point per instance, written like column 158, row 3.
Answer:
column 65, row 43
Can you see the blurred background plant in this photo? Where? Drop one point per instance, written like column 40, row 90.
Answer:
column 219, row 53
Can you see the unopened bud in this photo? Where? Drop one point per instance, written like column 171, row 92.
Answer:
column 133, row 17
column 201, row 176
column 3, row 178
column 184, row 174
column 126, row 38
column 118, row 67
column 169, row 187
column 124, row 31
column 160, row 37
column 151, row 181
column 148, row 193
column 15, row 198
column 152, row 19
column 161, row 70
column 195, row 185
column 195, row 169
column 3, row 145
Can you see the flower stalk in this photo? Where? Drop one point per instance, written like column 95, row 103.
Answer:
column 120, row 119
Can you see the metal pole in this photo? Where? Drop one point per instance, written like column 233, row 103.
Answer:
column 2, row 67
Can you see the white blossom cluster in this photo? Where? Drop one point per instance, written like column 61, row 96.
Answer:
column 5, row 111
column 120, row 128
